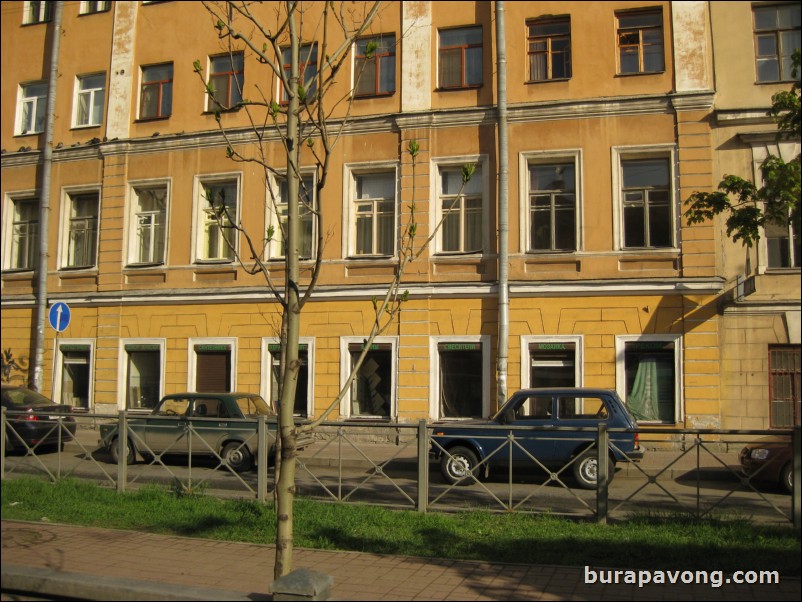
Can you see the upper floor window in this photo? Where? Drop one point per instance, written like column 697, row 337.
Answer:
column 782, row 242
column 217, row 217
column 374, row 213
column 777, row 35
column 23, row 236
column 374, row 66
column 37, row 12
column 226, row 76
column 90, row 94
column 149, row 220
column 306, row 208
column 647, row 207
column 462, row 209
column 88, row 8
column 82, row 230
column 460, row 57
column 549, row 49
column 156, row 100
column 31, row 108
column 552, row 206
column 307, row 69
column 640, row 42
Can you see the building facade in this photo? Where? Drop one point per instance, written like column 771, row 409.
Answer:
column 617, row 112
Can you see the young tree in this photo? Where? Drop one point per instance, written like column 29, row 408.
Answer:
column 749, row 207
column 306, row 114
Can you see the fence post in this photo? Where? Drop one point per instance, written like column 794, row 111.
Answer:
column 603, row 464
column 796, row 490
column 122, row 452
column 3, row 446
column 423, row 467
column 261, row 459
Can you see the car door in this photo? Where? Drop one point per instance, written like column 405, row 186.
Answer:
column 165, row 430
column 208, row 418
column 577, row 411
column 535, row 411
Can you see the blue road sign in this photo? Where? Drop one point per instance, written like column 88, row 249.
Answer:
column 59, row 316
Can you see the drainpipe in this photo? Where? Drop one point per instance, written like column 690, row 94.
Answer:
column 44, row 203
column 503, row 204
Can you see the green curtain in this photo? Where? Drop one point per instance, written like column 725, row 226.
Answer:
column 643, row 398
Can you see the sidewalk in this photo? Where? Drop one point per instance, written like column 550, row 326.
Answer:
column 125, row 565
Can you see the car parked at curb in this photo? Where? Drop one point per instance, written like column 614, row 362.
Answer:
column 769, row 460
column 34, row 420
column 541, row 422
column 209, row 424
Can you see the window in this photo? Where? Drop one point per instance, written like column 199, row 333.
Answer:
column 88, row 8
column 777, row 35
column 217, row 217
column 549, row 49
column 372, row 389
column 156, row 101
column 81, row 245
column 784, row 385
column 143, row 374
column 149, row 219
column 74, row 376
column 302, row 406
column 307, row 69
column 37, row 12
column 461, row 379
column 374, row 66
column 645, row 197
column 640, row 42
column 226, row 76
column 649, row 377
column 374, row 213
column 24, row 235
column 460, row 57
column 211, row 365
column 305, row 213
column 90, row 99
column 782, row 241
column 462, row 211
column 552, row 207
column 553, row 364
column 31, row 108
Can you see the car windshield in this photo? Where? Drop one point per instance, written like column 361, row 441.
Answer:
column 21, row 397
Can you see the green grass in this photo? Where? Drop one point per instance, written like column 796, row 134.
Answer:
column 653, row 542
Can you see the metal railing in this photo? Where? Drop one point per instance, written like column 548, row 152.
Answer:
column 693, row 471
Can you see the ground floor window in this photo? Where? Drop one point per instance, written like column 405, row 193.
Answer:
column 552, row 364
column 650, row 369
column 461, row 372
column 213, row 367
column 142, row 376
column 784, row 384
column 75, row 382
column 301, row 406
column 372, row 389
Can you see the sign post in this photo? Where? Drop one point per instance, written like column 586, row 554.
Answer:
column 59, row 317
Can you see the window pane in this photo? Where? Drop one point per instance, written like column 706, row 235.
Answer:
column 473, row 67
column 144, row 379
column 461, row 384
column 642, row 173
column 451, row 68
column 634, row 235
column 650, row 381
column 371, row 392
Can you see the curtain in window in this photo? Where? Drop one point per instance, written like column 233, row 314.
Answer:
column 643, row 398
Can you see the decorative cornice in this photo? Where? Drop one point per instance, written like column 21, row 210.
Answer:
column 743, row 117
column 693, row 101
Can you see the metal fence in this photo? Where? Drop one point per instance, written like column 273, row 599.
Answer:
column 691, row 471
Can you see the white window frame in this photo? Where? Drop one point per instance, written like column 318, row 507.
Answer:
column 90, row 8
column 654, row 151
column 434, row 371
column 67, row 195
column 192, row 358
column 58, row 369
column 547, row 157
column 273, row 205
column 198, row 220
column 621, row 375
column 436, row 215
column 526, row 358
column 96, row 95
column 345, row 371
column 132, row 221
column 34, row 102
column 350, row 174
column 122, row 366
column 9, row 216
column 266, row 375
column 44, row 12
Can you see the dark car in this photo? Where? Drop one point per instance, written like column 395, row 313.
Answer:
column 464, row 448
column 34, row 421
column 769, row 460
column 200, row 424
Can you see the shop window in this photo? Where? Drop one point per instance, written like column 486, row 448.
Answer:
column 461, row 372
column 143, row 376
column 651, row 375
column 75, row 375
column 784, row 385
column 303, row 386
column 372, row 389
column 213, row 368
column 552, row 364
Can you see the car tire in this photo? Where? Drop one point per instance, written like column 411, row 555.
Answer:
column 787, row 477
column 237, row 456
column 458, row 464
column 130, row 456
column 586, row 470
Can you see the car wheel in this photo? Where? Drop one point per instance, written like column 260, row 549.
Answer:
column 237, row 456
column 787, row 477
column 586, row 470
column 130, row 455
column 458, row 464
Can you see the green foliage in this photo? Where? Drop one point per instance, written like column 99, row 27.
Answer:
column 467, row 172
column 413, row 148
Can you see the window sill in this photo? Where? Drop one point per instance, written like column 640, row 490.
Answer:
column 459, row 89
column 151, row 119
column 88, row 126
column 640, row 73
column 144, row 266
column 221, row 111
column 548, row 81
column 374, row 96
